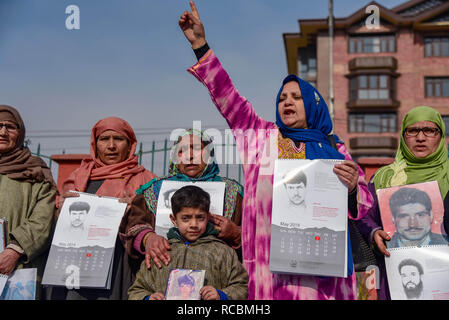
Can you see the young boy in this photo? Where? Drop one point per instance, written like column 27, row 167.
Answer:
column 194, row 245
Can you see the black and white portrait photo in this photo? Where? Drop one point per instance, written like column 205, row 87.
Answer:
column 412, row 272
column 418, row 273
column 78, row 212
column 295, row 184
column 308, row 196
column 169, row 187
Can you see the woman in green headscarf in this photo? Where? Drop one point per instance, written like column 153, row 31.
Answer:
column 192, row 159
column 422, row 156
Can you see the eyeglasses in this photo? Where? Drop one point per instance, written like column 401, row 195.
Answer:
column 428, row 132
column 9, row 127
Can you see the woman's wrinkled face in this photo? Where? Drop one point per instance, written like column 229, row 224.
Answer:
column 9, row 134
column 426, row 140
column 291, row 106
column 190, row 160
column 112, row 147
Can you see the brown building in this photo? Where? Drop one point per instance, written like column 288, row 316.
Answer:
column 380, row 73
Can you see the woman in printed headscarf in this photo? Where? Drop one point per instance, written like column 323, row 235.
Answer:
column 27, row 195
column 192, row 159
column 422, row 156
column 301, row 132
column 112, row 170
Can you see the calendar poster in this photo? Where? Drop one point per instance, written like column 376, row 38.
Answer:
column 84, row 241
column 418, row 273
column 216, row 191
column 309, row 219
column 413, row 215
column 185, row 284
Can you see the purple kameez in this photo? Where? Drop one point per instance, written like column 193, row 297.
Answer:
column 255, row 138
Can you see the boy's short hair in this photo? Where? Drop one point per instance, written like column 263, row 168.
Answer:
column 79, row 206
column 186, row 280
column 190, row 197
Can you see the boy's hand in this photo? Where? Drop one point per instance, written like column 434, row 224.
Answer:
column 209, row 293
column 157, row 296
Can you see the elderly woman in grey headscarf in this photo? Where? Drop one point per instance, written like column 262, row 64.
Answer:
column 27, row 197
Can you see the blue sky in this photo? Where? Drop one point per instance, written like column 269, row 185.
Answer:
column 129, row 59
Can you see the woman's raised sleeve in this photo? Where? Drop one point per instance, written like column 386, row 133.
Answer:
column 236, row 109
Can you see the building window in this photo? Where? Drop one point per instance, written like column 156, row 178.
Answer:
column 372, row 44
column 372, row 122
column 436, row 46
column 446, row 124
column 307, row 64
column 369, row 87
column 437, row 87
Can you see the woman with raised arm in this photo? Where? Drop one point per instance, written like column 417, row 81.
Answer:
column 301, row 132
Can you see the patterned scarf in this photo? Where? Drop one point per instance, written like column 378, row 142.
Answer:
column 211, row 172
column 407, row 168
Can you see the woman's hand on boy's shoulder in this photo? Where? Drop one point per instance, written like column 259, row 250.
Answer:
column 229, row 231
column 156, row 249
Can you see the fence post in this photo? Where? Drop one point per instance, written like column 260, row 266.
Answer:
column 226, row 156
column 240, row 172
column 38, row 149
column 152, row 156
column 140, row 153
column 165, row 156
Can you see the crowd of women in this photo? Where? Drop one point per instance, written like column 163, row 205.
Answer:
column 31, row 202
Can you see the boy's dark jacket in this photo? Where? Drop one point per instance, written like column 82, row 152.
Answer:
column 223, row 269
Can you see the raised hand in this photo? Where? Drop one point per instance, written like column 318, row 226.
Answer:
column 193, row 28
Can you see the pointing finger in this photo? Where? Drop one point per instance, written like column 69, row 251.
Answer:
column 194, row 9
